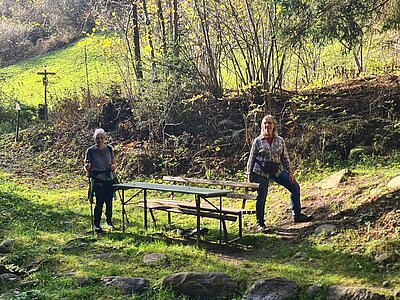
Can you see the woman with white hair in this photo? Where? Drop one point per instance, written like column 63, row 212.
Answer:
column 269, row 160
column 99, row 166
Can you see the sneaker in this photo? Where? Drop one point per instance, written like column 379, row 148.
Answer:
column 262, row 228
column 97, row 229
column 110, row 226
column 302, row 218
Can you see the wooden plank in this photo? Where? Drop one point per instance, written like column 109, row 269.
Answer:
column 191, row 205
column 225, row 183
column 188, row 211
column 242, row 196
column 201, row 191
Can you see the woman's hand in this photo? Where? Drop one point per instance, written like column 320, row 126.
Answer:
column 292, row 179
column 87, row 168
column 250, row 178
column 113, row 166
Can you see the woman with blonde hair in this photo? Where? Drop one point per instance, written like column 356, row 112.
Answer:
column 269, row 160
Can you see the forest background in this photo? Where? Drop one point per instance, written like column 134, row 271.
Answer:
column 148, row 69
column 181, row 87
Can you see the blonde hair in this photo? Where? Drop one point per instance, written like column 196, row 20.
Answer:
column 275, row 131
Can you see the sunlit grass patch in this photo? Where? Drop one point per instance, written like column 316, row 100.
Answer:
column 51, row 227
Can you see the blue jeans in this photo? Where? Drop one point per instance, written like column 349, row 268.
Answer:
column 262, row 192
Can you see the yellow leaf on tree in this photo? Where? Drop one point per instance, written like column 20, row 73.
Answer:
column 278, row 10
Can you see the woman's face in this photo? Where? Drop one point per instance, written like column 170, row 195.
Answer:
column 267, row 126
column 100, row 140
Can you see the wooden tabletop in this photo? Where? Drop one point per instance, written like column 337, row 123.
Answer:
column 203, row 192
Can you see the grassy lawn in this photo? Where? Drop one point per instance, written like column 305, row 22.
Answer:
column 51, row 226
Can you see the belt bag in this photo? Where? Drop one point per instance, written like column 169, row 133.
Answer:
column 268, row 167
column 110, row 174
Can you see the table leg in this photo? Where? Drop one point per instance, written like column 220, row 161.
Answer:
column 220, row 219
column 123, row 210
column 145, row 208
column 198, row 220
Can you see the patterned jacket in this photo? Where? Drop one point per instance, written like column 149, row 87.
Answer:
column 262, row 151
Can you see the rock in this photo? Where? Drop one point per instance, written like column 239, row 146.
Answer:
column 314, row 291
column 394, row 183
column 35, row 266
column 9, row 277
column 326, row 228
column 351, row 293
column 191, row 232
column 382, row 257
column 373, row 192
column 360, row 151
column 4, row 270
column 86, row 281
column 298, row 255
column 78, row 244
column 6, row 246
column 201, row 285
column 153, row 258
column 104, row 255
column 29, row 284
column 273, row 289
column 130, row 285
column 386, row 284
column 333, row 180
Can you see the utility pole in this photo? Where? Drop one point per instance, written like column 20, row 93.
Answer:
column 45, row 83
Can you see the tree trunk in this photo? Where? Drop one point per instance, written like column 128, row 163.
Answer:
column 175, row 31
column 211, row 79
column 150, row 40
column 136, row 43
column 162, row 26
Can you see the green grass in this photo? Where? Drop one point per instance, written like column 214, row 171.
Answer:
column 22, row 83
column 48, row 223
column 106, row 63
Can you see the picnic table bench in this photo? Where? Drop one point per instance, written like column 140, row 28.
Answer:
column 240, row 193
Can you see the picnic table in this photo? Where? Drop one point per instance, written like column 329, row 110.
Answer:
column 200, row 193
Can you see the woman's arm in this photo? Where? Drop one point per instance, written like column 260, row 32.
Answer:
column 87, row 165
column 113, row 165
column 251, row 161
column 286, row 163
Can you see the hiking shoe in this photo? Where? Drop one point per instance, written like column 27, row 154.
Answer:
column 302, row 218
column 110, row 226
column 97, row 229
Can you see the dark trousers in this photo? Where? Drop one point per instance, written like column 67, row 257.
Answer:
column 262, row 192
column 104, row 194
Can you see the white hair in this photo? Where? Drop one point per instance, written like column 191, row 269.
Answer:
column 97, row 132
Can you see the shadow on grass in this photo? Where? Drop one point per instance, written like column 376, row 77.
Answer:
column 22, row 212
column 264, row 251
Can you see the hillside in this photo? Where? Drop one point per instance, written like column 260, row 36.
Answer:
column 75, row 76
column 42, row 177
column 212, row 136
